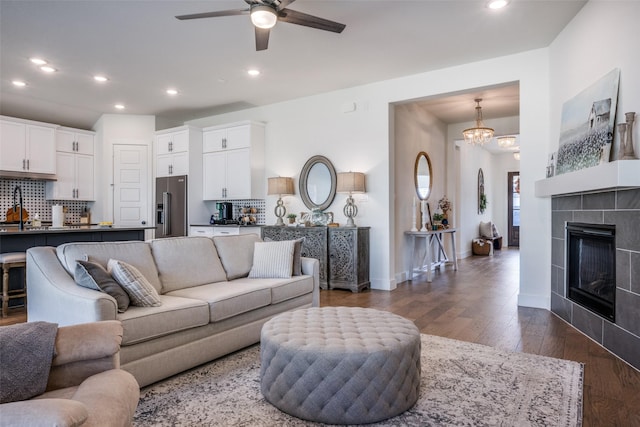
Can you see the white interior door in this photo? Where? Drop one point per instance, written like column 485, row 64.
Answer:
column 131, row 186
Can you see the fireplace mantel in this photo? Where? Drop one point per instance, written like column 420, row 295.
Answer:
column 618, row 174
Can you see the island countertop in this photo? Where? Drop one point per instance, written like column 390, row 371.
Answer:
column 12, row 239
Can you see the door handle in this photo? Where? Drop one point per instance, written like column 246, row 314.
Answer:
column 166, row 212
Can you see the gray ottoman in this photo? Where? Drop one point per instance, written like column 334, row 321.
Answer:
column 340, row 365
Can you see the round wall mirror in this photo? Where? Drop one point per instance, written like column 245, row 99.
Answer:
column 422, row 175
column 318, row 183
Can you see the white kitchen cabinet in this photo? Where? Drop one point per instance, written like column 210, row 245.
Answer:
column 173, row 150
column 233, row 162
column 75, row 166
column 74, row 141
column 26, row 146
column 223, row 230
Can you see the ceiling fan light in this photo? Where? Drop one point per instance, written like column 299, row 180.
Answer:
column 263, row 16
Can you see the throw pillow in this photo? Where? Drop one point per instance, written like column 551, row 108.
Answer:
column 140, row 291
column 486, row 230
column 297, row 255
column 94, row 276
column 272, row 260
column 494, row 230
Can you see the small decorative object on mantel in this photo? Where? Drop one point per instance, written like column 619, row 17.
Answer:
column 626, row 144
column 551, row 165
column 292, row 218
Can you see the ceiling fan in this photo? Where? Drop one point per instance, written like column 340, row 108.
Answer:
column 264, row 15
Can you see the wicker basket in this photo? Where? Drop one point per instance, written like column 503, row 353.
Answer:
column 481, row 247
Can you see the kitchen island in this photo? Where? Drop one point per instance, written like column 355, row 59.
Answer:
column 12, row 239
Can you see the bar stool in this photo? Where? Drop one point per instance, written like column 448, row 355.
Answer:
column 11, row 260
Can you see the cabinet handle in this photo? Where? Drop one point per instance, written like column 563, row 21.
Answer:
column 24, row 162
column 170, row 146
column 27, row 164
column 224, row 142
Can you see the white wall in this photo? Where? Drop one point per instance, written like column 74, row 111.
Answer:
column 415, row 130
column 362, row 141
column 603, row 36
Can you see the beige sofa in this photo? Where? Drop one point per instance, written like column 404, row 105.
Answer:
column 84, row 387
column 209, row 306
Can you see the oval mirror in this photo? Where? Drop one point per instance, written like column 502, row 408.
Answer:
column 422, row 176
column 317, row 183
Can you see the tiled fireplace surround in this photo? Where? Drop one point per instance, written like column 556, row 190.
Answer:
column 622, row 208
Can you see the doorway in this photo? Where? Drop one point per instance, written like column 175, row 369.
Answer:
column 513, row 185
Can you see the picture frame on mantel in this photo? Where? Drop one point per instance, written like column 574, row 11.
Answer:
column 587, row 125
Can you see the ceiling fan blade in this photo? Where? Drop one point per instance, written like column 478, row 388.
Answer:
column 231, row 12
column 299, row 18
column 284, row 3
column 262, row 38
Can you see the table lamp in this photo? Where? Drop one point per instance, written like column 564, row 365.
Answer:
column 282, row 186
column 350, row 182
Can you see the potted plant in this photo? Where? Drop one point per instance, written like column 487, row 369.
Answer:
column 483, row 202
column 292, row 218
column 437, row 220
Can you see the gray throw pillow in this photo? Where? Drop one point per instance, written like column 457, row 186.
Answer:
column 93, row 276
column 141, row 292
column 486, row 229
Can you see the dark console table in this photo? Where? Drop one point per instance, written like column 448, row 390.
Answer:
column 343, row 253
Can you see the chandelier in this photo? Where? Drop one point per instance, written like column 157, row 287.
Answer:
column 479, row 134
column 506, row 141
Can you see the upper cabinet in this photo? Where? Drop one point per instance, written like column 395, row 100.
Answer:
column 75, row 166
column 27, row 146
column 233, row 161
column 175, row 150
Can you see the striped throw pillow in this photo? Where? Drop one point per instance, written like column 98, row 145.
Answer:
column 272, row 260
column 140, row 291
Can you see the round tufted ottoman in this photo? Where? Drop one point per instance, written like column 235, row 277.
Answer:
column 340, row 365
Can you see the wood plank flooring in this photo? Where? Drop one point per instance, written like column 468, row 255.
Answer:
column 478, row 303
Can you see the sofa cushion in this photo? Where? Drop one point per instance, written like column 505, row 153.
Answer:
column 236, row 253
column 184, row 262
column 228, row 299
column 137, row 254
column 272, row 259
column 44, row 412
column 93, row 276
column 175, row 314
column 282, row 289
column 140, row 291
column 297, row 255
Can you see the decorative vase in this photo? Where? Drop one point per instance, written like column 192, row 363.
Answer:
column 628, row 145
column 622, row 129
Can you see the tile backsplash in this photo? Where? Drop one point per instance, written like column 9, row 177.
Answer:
column 33, row 197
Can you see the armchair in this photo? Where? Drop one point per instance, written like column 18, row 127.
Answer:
column 85, row 385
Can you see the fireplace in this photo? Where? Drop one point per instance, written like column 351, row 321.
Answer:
column 591, row 267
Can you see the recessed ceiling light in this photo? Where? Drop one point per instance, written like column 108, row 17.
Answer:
column 19, row 83
column 119, row 106
column 48, row 69
column 172, row 92
column 38, row 61
column 497, row 4
column 100, row 78
column 253, row 72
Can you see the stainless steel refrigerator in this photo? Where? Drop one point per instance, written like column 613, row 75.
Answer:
column 171, row 206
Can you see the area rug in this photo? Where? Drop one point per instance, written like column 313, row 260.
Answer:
column 463, row 384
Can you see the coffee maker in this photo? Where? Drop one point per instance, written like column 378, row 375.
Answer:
column 225, row 213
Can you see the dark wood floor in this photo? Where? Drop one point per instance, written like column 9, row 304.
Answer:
column 478, row 303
